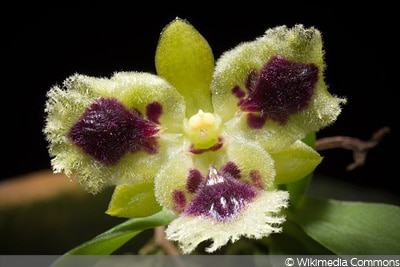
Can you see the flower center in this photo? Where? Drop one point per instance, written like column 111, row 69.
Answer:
column 202, row 120
column 203, row 129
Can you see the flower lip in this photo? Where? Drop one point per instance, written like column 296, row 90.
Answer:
column 107, row 130
column 260, row 219
column 220, row 197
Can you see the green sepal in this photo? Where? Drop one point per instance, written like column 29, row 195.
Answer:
column 131, row 201
column 298, row 188
column 185, row 59
column 295, row 162
column 351, row 228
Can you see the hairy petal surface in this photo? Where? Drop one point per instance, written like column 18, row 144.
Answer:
column 243, row 159
column 258, row 219
column 171, row 183
column 249, row 93
column 142, row 99
column 255, row 164
column 207, row 144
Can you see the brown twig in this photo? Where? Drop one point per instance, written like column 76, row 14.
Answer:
column 359, row 147
column 169, row 248
column 160, row 240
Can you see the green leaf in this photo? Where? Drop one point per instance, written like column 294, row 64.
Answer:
column 294, row 241
column 109, row 241
column 350, row 228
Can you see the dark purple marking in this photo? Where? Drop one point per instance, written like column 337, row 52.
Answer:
column 237, row 92
column 194, row 180
column 256, row 179
column 283, row 88
column 179, row 199
column 215, row 147
column 231, row 169
column 220, row 197
column 255, row 121
column 107, row 130
column 251, row 81
column 154, row 111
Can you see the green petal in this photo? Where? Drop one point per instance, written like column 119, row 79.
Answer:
column 185, row 59
column 171, row 178
column 250, row 157
column 173, row 175
column 231, row 70
column 132, row 201
column 297, row 44
column 295, row 162
column 66, row 104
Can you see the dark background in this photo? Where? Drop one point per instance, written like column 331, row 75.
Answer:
column 45, row 43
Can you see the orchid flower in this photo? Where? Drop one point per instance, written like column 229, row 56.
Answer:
column 208, row 141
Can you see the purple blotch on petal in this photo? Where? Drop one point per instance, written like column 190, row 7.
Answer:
column 237, row 92
column 194, row 179
column 220, row 197
column 255, row 121
column 256, row 179
column 154, row 111
column 251, row 80
column 283, row 88
column 107, row 130
column 179, row 199
column 232, row 169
